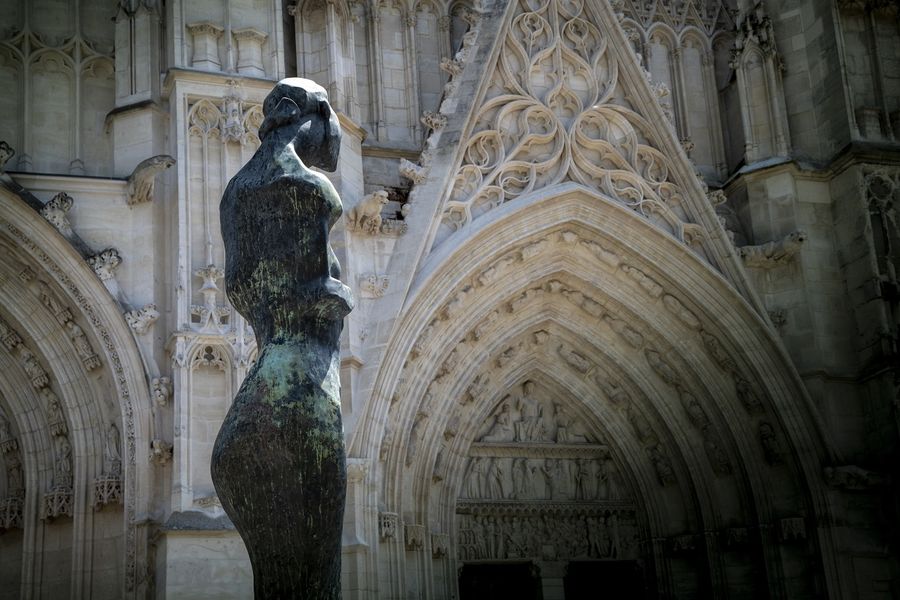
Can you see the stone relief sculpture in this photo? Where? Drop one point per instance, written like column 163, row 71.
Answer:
column 112, row 455
column 284, row 427
column 775, row 253
column 56, row 212
column 365, row 217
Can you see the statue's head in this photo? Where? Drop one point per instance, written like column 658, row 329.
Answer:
column 301, row 107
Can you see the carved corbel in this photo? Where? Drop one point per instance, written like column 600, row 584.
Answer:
column 56, row 212
column 772, row 254
column 142, row 179
column 105, row 263
column 141, row 319
column 160, row 452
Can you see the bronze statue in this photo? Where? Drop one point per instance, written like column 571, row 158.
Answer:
column 278, row 463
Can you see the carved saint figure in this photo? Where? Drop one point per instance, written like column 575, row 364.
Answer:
column 5, row 432
column 475, row 485
column 113, row 452
column 14, row 480
column 31, row 365
column 500, row 431
column 279, row 463
column 63, row 462
column 82, row 346
column 520, row 479
column 495, row 480
column 531, row 426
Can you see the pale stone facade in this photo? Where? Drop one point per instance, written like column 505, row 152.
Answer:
column 625, row 275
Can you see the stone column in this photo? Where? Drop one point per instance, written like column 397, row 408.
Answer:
column 553, row 574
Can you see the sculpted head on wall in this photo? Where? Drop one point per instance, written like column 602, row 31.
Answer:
column 297, row 111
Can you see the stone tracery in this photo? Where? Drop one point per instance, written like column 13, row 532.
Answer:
column 557, row 111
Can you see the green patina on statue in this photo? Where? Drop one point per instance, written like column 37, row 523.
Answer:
column 278, row 463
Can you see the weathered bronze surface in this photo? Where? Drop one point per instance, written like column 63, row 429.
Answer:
column 278, row 463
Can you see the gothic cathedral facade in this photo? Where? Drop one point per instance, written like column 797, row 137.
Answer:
column 627, row 302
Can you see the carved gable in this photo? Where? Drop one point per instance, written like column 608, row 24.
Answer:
column 561, row 104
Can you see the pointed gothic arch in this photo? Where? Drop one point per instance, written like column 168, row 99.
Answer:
column 640, row 325
column 57, row 309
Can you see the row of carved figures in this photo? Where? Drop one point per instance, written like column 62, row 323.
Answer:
column 580, row 479
column 492, row 537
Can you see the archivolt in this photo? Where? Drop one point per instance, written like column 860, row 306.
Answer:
column 89, row 407
column 674, row 330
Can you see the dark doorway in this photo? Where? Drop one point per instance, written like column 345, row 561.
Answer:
column 604, row 580
column 516, row 581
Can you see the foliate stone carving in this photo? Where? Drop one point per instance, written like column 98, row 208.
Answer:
column 8, row 336
column 410, row 170
column 388, row 523
column 107, row 490
column 141, row 319
column 440, row 545
column 57, row 503
column 142, row 179
column 86, row 353
column 105, row 263
column 56, row 212
column 773, row 254
column 530, row 134
column 792, row 529
column 160, row 452
column 372, row 285
column 49, row 299
column 414, row 536
column 451, row 66
column 209, row 315
column 161, row 390
column 735, row 537
column 434, row 121
column 11, row 509
column 357, row 470
column 365, row 217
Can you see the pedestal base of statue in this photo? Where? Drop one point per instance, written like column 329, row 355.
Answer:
column 279, row 468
